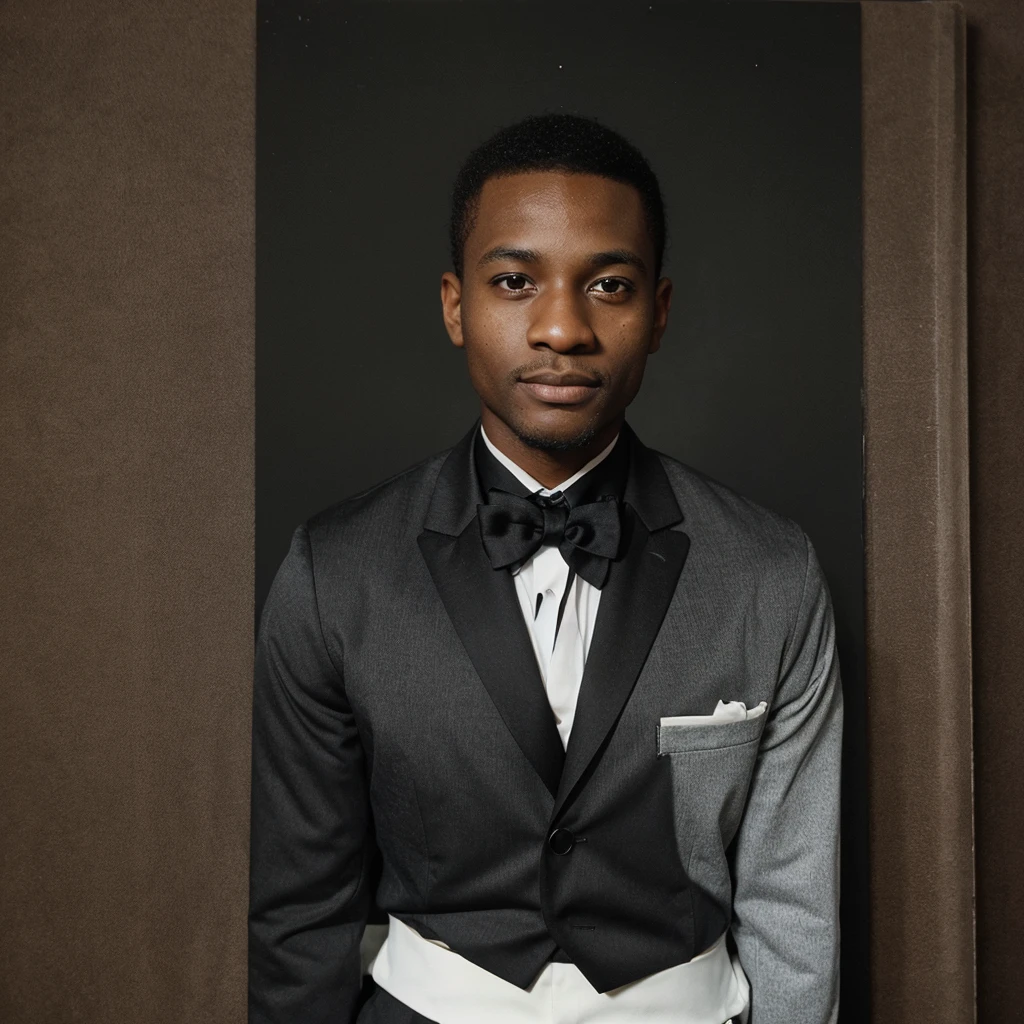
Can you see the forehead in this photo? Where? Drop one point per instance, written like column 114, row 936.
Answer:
column 554, row 210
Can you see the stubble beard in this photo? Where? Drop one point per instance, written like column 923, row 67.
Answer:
column 545, row 442
column 554, row 444
column 530, row 436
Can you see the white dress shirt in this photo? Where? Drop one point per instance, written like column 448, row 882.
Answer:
column 541, row 580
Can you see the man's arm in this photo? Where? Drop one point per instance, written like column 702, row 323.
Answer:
column 310, row 843
column 786, row 895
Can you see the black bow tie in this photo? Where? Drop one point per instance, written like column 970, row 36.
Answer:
column 588, row 536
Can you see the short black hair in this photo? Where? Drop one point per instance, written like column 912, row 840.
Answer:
column 554, row 142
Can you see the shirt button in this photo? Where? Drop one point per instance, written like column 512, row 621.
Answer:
column 561, row 841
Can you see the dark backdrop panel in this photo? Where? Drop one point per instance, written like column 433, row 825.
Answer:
column 749, row 113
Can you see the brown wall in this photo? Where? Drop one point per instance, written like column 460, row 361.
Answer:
column 126, row 469
column 126, row 530
column 995, row 61
column 920, row 841
column 916, row 517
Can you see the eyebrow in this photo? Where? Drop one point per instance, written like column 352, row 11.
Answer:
column 502, row 252
column 608, row 258
column 613, row 256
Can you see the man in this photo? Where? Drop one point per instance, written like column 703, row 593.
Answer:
column 567, row 709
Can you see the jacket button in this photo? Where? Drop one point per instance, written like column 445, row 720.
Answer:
column 561, row 841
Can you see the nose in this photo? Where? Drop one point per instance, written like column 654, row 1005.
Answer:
column 560, row 322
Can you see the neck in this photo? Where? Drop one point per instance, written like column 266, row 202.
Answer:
column 548, row 467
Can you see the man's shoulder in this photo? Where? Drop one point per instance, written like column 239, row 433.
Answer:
column 717, row 515
column 398, row 502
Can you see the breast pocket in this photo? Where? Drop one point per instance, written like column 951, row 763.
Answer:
column 677, row 739
column 711, row 766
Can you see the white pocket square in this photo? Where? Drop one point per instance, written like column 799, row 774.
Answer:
column 725, row 711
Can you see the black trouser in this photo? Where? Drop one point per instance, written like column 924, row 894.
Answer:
column 380, row 1007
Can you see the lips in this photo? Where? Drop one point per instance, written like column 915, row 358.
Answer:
column 561, row 379
column 560, row 388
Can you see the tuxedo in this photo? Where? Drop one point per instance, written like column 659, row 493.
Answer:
column 404, row 750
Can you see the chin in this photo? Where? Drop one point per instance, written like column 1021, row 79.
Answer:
column 536, row 436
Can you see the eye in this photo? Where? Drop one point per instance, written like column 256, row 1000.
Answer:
column 612, row 286
column 512, row 282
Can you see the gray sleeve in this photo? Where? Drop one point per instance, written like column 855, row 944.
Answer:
column 311, row 838
column 786, row 858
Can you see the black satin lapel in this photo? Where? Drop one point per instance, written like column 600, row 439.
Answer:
column 633, row 606
column 484, row 609
column 456, row 490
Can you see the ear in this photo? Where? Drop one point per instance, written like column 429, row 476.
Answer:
column 662, row 302
column 451, row 306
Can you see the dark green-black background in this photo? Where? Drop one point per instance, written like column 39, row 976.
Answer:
column 750, row 116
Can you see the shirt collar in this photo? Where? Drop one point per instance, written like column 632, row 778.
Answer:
column 535, row 485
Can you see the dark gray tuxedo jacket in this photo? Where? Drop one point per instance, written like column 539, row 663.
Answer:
column 404, row 750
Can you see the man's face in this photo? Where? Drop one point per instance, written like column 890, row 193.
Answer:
column 557, row 307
